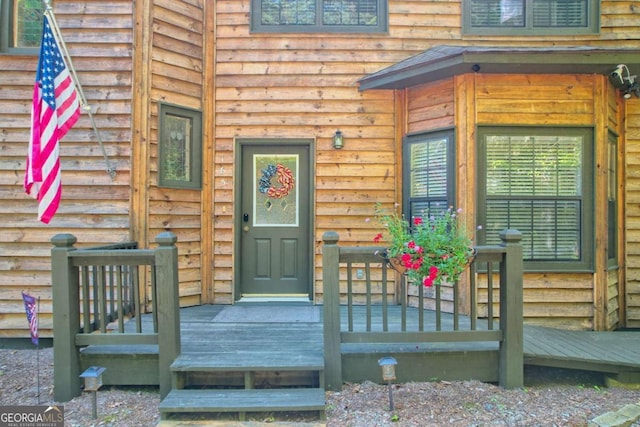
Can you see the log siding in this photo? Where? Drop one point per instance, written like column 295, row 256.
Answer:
column 131, row 55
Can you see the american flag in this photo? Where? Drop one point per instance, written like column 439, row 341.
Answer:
column 56, row 108
column 32, row 316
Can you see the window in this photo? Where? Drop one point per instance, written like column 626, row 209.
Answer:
column 612, row 200
column 21, row 26
column 428, row 173
column 180, row 147
column 314, row 16
column 544, row 17
column 540, row 182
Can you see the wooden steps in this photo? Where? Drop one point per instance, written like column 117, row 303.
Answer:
column 244, row 400
column 245, row 382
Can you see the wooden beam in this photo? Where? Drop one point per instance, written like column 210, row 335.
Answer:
column 601, row 138
column 140, row 122
column 208, row 152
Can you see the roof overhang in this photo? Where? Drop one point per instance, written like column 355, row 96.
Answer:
column 447, row 61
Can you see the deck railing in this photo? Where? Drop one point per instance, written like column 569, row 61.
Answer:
column 504, row 261
column 96, row 290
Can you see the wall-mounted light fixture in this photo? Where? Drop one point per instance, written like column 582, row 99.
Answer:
column 623, row 80
column 338, row 140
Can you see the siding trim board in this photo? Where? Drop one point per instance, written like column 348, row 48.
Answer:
column 447, row 61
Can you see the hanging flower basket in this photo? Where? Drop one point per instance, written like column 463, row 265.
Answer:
column 433, row 248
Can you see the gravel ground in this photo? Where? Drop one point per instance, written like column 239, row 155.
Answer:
column 551, row 398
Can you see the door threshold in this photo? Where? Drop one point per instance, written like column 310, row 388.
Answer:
column 252, row 298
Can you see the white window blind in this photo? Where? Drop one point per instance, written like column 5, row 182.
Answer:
column 529, row 13
column 534, row 184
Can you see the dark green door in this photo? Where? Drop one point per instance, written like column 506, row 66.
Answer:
column 274, row 223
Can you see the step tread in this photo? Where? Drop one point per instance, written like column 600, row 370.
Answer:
column 248, row 362
column 245, row 400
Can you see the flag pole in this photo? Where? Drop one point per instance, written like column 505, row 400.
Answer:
column 55, row 29
column 38, row 357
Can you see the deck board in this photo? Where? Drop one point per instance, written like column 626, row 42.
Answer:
column 615, row 351
column 599, row 351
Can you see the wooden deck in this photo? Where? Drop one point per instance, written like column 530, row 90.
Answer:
column 609, row 352
column 616, row 352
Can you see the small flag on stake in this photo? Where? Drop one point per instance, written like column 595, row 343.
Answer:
column 32, row 316
column 56, row 108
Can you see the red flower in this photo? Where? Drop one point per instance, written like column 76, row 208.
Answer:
column 378, row 238
column 406, row 260
column 427, row 282
column 411, row 245
column 417, row 220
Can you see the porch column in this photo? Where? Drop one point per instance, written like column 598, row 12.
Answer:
column 331, row 302
column 65, row 285
column 168, row 307
column 511, row 373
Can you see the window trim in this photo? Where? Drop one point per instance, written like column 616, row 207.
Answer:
column 587, row 220
column 257, row 27
column 195, row 147
column 408, row 140
column 6, row 10
column 593, row 24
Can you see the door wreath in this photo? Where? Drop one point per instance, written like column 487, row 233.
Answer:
column 284, row 178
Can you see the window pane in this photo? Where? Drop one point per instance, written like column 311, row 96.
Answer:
column 424, row 209
column 177, row 160
column 534, row 165
column 350, row 12
column 428, row 174
column 550, row 228
column 560, row 13
column 428, row 169
column 497, row 13
column 27, row 23
column 288, row 12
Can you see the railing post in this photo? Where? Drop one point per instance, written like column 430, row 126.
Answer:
column 511, row 348
column 331, row 302
column 65, row 284
column 168, row 306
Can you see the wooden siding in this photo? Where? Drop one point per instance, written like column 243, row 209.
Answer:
column 577, row 301
column 632, row 209
column 431, row 106
column 304, row 86
column 94, row 208
column 176, row 77
column 132, row 54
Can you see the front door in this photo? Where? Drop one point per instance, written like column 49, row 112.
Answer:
column 274, row 221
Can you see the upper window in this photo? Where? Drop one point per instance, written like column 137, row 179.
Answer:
column 540, row 182
column 428, row 173
column 522, row 17
column 20, row 26
column 315, row 16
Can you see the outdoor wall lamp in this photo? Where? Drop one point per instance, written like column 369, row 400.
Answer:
column 388, row 365
column 338, row 140
column 92, row 382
